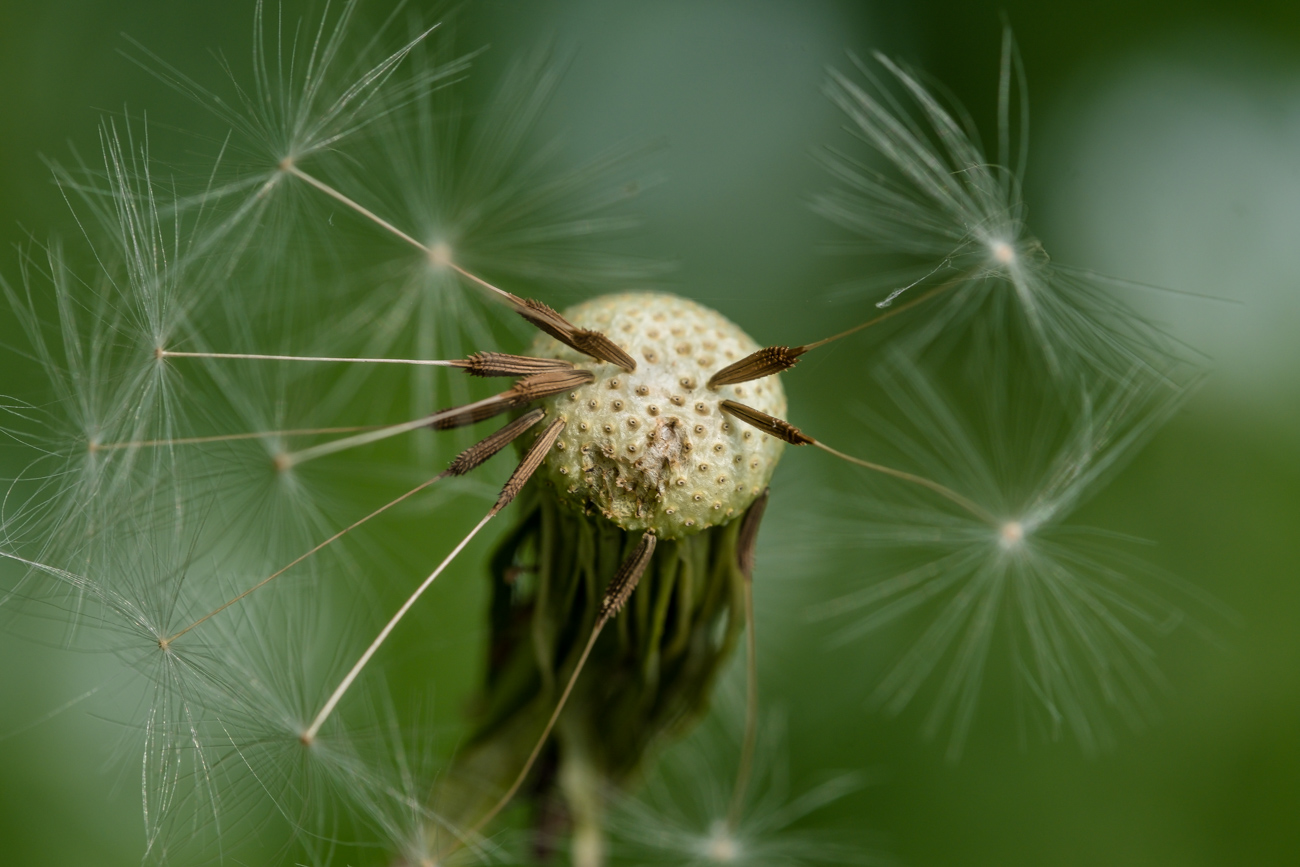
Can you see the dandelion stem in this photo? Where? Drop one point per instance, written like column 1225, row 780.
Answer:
column 541, row 740
column 616, row 595
column 746, row 765
column 167, row 353
column 746, row 543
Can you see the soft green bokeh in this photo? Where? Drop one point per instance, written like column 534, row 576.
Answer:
column 1165, row 148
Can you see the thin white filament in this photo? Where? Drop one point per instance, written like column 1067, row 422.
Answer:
column 340, row 534
column 330, row 448
column 310, row 734
column 356, row 206
column 218, row 438
column 438, row 254
column 167, row 353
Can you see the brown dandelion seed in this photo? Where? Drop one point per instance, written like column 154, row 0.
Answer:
column 476, row 454
column 592, row 343
column 756, row 365
column 531, row 461
column 597, row 345
column 620, row 587
column 541, row 385
column 524, row 391
column 778, row 428
column 501, row 364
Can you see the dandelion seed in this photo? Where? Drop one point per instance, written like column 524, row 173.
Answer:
column 475, row 198
column 681, row 817
column 202, row 690
column 1011, row 534
column 1071, row 612
column 960, row 216
column 1003, row 252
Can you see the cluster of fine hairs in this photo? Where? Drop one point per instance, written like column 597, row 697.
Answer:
column 230, row 480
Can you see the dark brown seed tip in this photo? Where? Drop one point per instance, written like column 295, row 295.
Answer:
column 473, row 413
column 551, row 383
column 756, row 365
column 588, row 342
column 625, row 580
column 544, row 317
column 524, row 391
column 485, row 448
column 768, row 424
column 597, row 345
column 531, row 461
column 501, row 364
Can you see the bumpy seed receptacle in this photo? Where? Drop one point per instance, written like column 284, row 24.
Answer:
column 648, row 450
column 651, row 449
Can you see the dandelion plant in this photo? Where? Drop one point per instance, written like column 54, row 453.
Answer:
column 359, row 312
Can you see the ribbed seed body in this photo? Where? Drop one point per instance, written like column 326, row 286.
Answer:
column 652, row 449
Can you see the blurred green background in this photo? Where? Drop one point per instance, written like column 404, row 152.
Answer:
column 1165, row 148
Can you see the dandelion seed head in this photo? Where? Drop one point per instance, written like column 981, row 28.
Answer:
column 1011, row 535
column 650, row 428
column 685, row 816
column 440, row 254
column 721, row 846
column 1003, row 253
